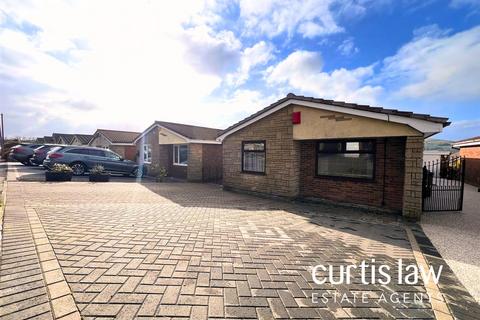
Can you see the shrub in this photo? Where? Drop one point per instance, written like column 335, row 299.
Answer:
column 98, row 169
column 57, row 167
column 157, row 171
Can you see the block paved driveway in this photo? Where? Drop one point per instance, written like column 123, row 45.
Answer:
column 181, row 250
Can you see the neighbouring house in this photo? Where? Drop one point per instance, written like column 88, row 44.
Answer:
column 48, row 139
column 121, row 142
column 81, row 139
column 302, row 147
column 470, row 150
column 62, row 138
column 185, row 151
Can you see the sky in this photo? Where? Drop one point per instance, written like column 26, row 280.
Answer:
column 75, row 66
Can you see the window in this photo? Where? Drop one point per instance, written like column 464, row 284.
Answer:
column 96, row 152
column 147, row 153
column 78, row 151
column 180, row 154
column 348, row 159
column 253, row 156
column 112, row 156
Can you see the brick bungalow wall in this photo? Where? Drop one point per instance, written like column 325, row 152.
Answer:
column 282, row 157
column 127, row 152
column 472, row 171
column 470, row 152
column 152, row 139
column 371, row 193
column 472, row 164
column 198, row 159
column 212, row 162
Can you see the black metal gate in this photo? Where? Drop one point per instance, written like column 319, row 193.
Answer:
column 443, row 184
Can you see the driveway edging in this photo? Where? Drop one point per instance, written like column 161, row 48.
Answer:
column 60, row 295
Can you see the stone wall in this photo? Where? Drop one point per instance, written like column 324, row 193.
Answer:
column 282, row 157
column 412, row 191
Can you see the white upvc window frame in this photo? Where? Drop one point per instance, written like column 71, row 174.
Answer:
column 147, row 153
column 176, row 154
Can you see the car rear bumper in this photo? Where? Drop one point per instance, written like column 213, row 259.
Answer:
column 18, row 157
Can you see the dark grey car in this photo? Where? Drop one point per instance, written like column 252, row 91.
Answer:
column 23, row 152
column 83, row 159
column 40, row 153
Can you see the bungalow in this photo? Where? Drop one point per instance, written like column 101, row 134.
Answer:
column 121, row 142
column 315, row 148
column 62, row 138
column 185, row 151
column 470, row 150
column 81, row 139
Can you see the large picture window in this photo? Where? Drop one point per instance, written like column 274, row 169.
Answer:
column 180, row 154
column 253, row 156
column 147, row 153
column 347, row 159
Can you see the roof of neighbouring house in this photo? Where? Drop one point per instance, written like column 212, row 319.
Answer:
column 84, row 138
column 469, row 142
column 48, row 139
column 116, row 136
column 67, row 137
column 341, row 104
column 187, row 131
column 191, row 132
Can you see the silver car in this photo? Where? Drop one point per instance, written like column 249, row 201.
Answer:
column 83, row 159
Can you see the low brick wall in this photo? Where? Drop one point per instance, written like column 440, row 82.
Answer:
column 383, row 193
column 472, row 171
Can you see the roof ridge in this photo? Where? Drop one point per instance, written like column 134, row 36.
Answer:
column 187, row 125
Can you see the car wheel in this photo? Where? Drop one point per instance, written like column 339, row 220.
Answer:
column 78, row 168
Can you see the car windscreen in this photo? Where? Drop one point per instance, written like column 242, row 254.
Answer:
column 55, row 149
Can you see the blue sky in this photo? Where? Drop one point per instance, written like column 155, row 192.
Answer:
column 74, row 66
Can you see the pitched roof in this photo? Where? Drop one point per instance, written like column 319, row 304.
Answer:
column 191, row 132
column 48, row 139
column 443, row 121
column 84, row 138
column 116, row 136
column 67, row 137
column 473, row 141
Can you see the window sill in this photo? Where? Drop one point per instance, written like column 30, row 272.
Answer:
column 340, row 178
column 180, row 165
column 255, row 173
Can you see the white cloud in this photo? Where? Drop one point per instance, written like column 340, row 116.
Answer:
column 437, row 66
column 302, row 70
column 257, row 55
column 309, row 18
column 119, row 64
column 347, row 47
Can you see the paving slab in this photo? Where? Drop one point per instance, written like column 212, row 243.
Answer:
column 185, row 250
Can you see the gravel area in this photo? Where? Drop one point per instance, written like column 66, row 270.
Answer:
column 456, row 236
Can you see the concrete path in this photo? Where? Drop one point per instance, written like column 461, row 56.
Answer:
column 456, row 235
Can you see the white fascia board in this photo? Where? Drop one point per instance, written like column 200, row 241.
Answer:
column 466, row 144
column 204, row 141
column 145, row 132
column 424, row 126
column 187, row 140
column 122, row 144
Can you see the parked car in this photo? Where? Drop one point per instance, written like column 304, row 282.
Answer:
column 83, row 159
column 40, row 153
column 23, row 152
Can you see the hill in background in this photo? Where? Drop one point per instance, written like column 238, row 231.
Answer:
column 438, row 144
